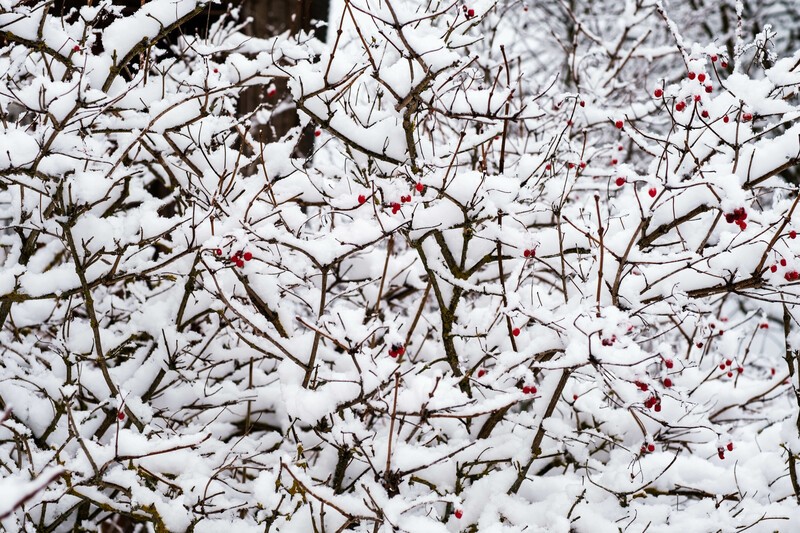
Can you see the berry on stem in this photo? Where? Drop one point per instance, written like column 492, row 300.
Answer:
column 515, row 332
column 362, row 199
column 247, row 256
column 620, row 181
column 652, row 192
column 619, row 124
column 459, row 513
column 658, row 93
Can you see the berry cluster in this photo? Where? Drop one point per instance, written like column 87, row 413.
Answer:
column 397, row 350
column 610, row 342
column 469, row 12
column 529, row 252
column 237, row 258
column 738, row 217
column 529, row 389
column 728, row 364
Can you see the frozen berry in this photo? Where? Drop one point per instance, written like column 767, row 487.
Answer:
column 620, row 181
column 651, row 447
column 668, row 363
column 583, row 104
column 120, row 415
column 271, row 92
column 730, row 446
column 471, row 13
column 704, row 114
column 793, row 234
column 481, row 373
column 714, row 58
column 362, row 199
column 247, row 256
column 419, row 187
column 773, row 268
column 658, row 93
column 721, row 453
column 218, row 251
column 459, row 513
column 652, row 192
column 747, row 117
column 667, row 383
column 317, row 133
column 515, row 332
column 692, row 75
column 724, row 64
column 619, row 124
column 783, row 262
column 725, row 119
column 701, row 77
column 709, row 88
column 76, row 48
column 680, row 106
column 526, row 253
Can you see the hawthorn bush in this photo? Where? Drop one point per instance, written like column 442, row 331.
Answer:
column 540, row 272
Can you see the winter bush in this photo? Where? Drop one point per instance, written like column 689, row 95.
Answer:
column 540, row 272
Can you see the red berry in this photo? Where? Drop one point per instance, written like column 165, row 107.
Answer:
column 239, row 263
column 657, row 407
column 651, row 447
column 668, row 363
column 783, row 262
column 704, row 114
column 747, row 117
column 526, row 390
column 216, row 71
column 774, row 268
column 317, row 133
column 680, row 106
column 699, row 344
column 570, row 165
column 526, row 253
column 471, row 13
column 362, row 199
column 658, row 93
column 742, row 225
column 392, row 353
column 697, row 98
column 692, row 75
column 667, row 383
column 400, row 350
column 582, row 164
column 614, row 161
column 730, row 446
column 701, row 77
column 730, row 374
column 652, row 192
column 721, row 453
column 793, row 234
column 725, row 119
column 515, row 332
column 771, row 371
column 247, row 256
column 120, row 415
column 459, row 513
column 574, row 397
column 583, row 104
column 724, row 64
column 481, row 373
column 722, row 366
column 619, row 124
column 76, row 48
column 740, row 369
column 764, row 325
column 709, row 88
column 218, row 251
column 728, row 362
column 419, row 187
column 714, row 58
column 271, row 92
column 533, row 389
column 547, row 166
column 620, row 181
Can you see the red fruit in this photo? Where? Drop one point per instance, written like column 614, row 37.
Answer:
column 400, row 350
column 657, row 407
column 76, row 48
column 774, row 268
column 704, row 114
column 793, row 234
column 515, row 332
column 668, row 363
column 620, row 181
column 728, row 362
column 658, row 93
column 652, row 192
column 271, row 92
column 709, row 88
column 724, row 64
column 697, row 98
column 526, row 253
column 614, row 161
column 747, row 117
column 722, row 366
column 583, row 104
column 701, row 77
column 680, row 106
column 667, row 383
column 459, row 513
column 569, row 122
column 620, row 148
column 392, row 353
column 764, row 326
column 730, row 374
column 699, row 344
column 247, row 256
column 783, row 262
column 721, row 453
column 619, row 124
column 730, row 446
column 526, row 390
column 218, row 251
column 742, row 225
column 725, row 119
column 239, row 263
column 419, row 187
column 691, row 75
column 317, row 133
column 547, row 166
column 471, row 13
column 481, row 373
column 714, row 58
column 120, row 415
column 583, row 164
column 651, row 447
column 570, row 165
column 362, row 199
column 395, row 208
column 574, row 397
column 740, row 369
column 216, row 71
column 771, row 371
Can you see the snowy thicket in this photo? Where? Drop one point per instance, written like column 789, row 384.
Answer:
column 540, row 273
